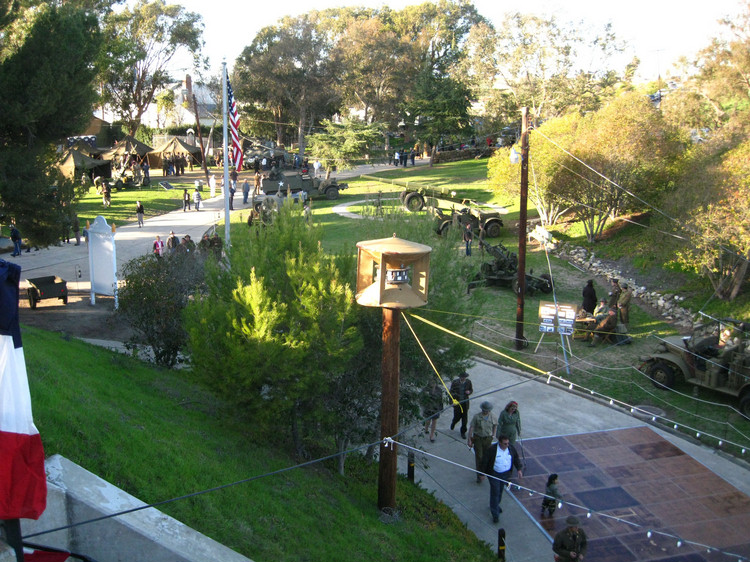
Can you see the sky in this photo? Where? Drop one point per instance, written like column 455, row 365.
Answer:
column 657, row 31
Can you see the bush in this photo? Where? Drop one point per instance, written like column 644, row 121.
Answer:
column 156, row 292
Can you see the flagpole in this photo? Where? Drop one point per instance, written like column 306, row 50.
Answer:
column 225, row 112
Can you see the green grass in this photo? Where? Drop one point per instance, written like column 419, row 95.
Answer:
column 158, row 436
column 155, row 199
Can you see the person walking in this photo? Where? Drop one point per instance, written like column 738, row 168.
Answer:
column 570, row 544
column 461, row 389
column 468, row 237
column 589, row 297
column 158, row 247
column 197, row 199
column 186, row 201
column 481, row 433
column 432, row 401
column 551, row 495
column 510, row 422
column 15, row 237
column 498, row 462
column 139, row 213
column 172, row 242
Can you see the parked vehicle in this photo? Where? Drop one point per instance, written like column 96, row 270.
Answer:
column 716, row 356
column 489, row 220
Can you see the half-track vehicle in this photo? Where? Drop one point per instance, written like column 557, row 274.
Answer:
column 716, row 355
column 296, row 182
column 503, row 271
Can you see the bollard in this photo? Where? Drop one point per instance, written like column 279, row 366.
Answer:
column 410, row 467
column 501, row 544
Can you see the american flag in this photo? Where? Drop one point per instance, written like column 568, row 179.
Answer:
column 234, row 129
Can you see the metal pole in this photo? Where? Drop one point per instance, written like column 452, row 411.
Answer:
column 520, row 340
column 389, row 408
column 226, row 153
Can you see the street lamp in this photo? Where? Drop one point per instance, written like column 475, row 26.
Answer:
column 391, row 274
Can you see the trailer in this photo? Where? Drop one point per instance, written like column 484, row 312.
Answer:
column 48, row 287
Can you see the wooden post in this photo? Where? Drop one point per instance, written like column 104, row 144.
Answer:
column 520, row 339
column 389, row 408
column 501, row 544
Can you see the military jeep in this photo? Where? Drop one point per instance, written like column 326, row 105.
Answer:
column 716, row 355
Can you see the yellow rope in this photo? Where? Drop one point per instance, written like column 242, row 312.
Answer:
column 446, row 330
column 413, row 333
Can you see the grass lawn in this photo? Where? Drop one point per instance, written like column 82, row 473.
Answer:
column 158, row 436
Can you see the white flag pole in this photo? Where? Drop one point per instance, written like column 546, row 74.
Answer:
column 225, row 113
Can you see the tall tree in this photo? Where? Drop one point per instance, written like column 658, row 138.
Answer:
column 47, row 71
column 288, row 71
column 340, row 144
column 141, row 42
column 633, row 150
column 725, row 64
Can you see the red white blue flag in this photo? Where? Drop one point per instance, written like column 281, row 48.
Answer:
column 234, row 129
column 23, row 483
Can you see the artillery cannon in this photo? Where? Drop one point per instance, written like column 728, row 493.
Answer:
column 503, row 271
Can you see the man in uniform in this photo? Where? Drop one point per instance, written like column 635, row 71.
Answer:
column 623, row 303
column 614, row 294
column 604, row 328
column 570, row 543
column 481, row 431
column 461, row 389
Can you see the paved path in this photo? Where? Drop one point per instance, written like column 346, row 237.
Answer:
column 547, row 410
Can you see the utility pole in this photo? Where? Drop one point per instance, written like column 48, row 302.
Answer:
column 520, row 339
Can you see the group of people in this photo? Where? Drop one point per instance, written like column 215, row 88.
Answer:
column 174, row 164
column 174, row 245
column 603, row 318
column 493, row 440
column 402, row 157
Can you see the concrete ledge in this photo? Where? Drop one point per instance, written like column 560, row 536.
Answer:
column 76, row 495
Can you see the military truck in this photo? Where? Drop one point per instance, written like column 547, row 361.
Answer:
column 296, row 182
column 489, row 220
column 716, row 355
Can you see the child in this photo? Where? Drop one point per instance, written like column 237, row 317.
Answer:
column 552, row 495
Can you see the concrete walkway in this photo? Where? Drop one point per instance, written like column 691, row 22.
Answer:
column 547, row 410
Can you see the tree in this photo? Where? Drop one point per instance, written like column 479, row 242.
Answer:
column 632, row 149
column 288, row 71
column 141, row 42
column 339, row 144
column 283, row 308
column 47, row 56
column 711, row 209
column 547, row 174
column 165, row 105
column 553, row 68
column 724, row 65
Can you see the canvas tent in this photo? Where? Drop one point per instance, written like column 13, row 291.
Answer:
column 74, row 164
column 128, row 145
column 174, row 146
column 82, row 146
